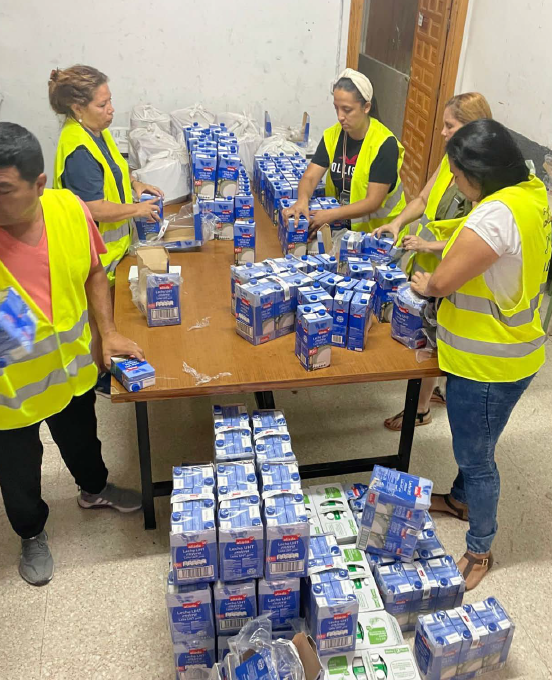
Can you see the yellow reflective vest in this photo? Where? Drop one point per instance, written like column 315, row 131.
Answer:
column 394, row 203
column 60, row 365
column 428, row 228
column 116, row 235
column 478, row 339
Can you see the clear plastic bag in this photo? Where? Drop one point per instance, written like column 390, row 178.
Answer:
column 202, row 378
column 429, row 319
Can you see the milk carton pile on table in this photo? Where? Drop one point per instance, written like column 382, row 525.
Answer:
column 407, row 318
column 222, row 186
column 269, row 298
column 463, row 642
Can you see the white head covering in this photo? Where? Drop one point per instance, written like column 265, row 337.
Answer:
column 363, row 84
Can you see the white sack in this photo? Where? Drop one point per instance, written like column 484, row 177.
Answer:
column 166, row 172
column 279, row 144
column 143, row 115
column 146, row 142
column 192, row 114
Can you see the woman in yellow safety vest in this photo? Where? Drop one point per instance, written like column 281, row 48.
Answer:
column 489, row 334
column 437, row 207
column 362, row 161
column 89, row 163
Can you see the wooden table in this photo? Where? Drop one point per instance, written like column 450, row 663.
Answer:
column 273, row 366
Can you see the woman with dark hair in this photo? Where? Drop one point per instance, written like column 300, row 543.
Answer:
column 489, row 333
column 362, row 159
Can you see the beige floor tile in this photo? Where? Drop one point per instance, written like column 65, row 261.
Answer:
column 108, row 621
column 22, row 614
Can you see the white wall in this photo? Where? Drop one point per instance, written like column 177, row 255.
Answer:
column 506, row 56
column 231, row 56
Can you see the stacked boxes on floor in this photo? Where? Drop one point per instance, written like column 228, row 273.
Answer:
column 464, row 642
column 222, row 187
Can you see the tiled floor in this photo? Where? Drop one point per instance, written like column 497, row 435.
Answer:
column 103, row 614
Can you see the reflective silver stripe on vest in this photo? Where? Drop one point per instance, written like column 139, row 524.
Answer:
column 112, row 266
column 116, row 234
column 392, row 202
column 51, row 343
column 57, row 377
column 472, row 303
column 427, row 234
column 499, row 350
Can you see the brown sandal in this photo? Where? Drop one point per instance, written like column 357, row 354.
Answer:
column 485, row 562
column 451, row 509
column 395, row 423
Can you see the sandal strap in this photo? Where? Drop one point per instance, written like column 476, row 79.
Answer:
column 420, row 416
column 459, row 512
column 476, row 562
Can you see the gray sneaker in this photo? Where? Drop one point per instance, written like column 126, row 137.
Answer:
column 36, row 565
column 123, row 500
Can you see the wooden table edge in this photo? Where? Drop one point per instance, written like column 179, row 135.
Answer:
column 151, row 394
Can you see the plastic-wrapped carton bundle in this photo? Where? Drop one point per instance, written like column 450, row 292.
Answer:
column 232, row 433
column 465, row 642
column 394, row 513
column 241, row 537
column 407, row 318
column 287, row 534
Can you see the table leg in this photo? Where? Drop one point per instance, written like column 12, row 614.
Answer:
column 409, row 423
column 142, row 428
column 265, row 399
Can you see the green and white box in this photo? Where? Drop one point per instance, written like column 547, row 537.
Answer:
column 376, row 630
column 312, row 515
column 366, row 590
column 390, row 663
column 344, row 666
column 330, row 501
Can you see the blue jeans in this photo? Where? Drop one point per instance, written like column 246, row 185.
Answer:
column 477, row 413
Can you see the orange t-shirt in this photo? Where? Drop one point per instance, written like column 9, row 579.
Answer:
column 30, row 265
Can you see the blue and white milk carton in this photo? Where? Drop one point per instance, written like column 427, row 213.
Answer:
column 237, row 477
column 329, row 262
column 294, row 236
column 224, row 212
column 244, row 241
column 352, row 243
column 273, row 446
column 429, row 546
column 244, row 274
column 315, row 331
column 204, row 171
column 255, row 319
column 241, row 546
column 407, row 319
column 193, row 654
column 501, row 627
column 324, row 553
column 269, row 419
column 360, row 321
column 190, row 611
column 330, row 282
column 314, row 298
column 451, row 582
column 280, row 477
column 333, row 611
column 311, row 261
column 148, row 229
column 193, row 540
column 360, row 268
column 244, row 206
column 190, row 480
column 17, row 327
column 227, row 175
column 287, row 535
column 163, row 299
column 280, row 599
column 398, row 499
column 232, row 443
column 235, row 605
column 134, row 375
column 388, row 282
column 340, row 315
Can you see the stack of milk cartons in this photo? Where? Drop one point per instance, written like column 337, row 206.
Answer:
column 232, row 433
column 244, row 222
column 245, row 273
column 313, row 345
column 293, row 234
column 329, row 599
column 17, row 327
column 194, row 562
column 394, row 513
column 407, row 320
column 464, row 642
column 388, row 279
column 271, row 437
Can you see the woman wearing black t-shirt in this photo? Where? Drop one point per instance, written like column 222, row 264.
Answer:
column 362, row 159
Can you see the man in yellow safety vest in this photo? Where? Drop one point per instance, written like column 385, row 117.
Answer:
column 49, row 254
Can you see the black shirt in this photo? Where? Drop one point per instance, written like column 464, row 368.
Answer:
column 382, row 171
column 84, row 176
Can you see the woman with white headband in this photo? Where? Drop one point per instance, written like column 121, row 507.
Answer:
column 362, row 159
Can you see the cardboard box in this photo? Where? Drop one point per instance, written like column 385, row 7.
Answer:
column 154, row 258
